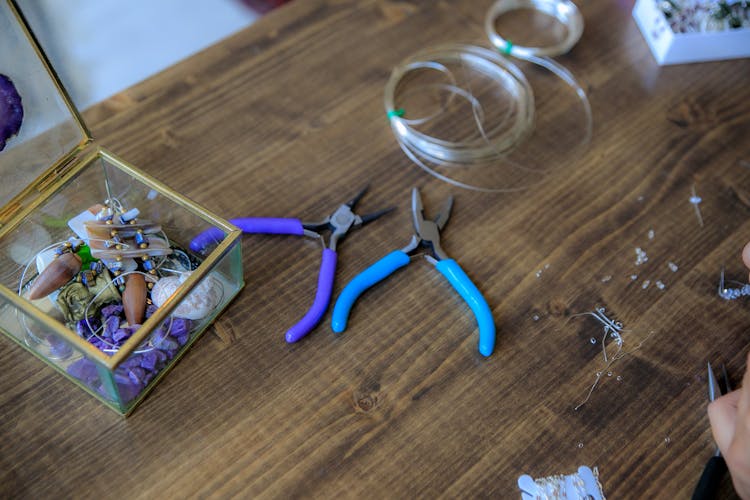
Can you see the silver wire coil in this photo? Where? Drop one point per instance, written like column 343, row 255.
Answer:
column 493, row 142
column 564, row 11
column 489, row 144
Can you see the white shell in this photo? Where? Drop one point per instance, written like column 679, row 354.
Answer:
column 204, row 298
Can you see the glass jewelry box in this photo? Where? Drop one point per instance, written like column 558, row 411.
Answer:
column 97, row 275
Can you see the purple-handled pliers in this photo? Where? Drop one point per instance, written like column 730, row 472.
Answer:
column 339, row 223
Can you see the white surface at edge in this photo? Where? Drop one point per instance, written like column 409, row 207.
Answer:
column 688, row 47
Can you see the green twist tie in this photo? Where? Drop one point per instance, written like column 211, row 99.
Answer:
column 84, row 252
column 508, row 47
column 395, row 112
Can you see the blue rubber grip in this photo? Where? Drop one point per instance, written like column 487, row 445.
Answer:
column 364, row 280
column 471, row 294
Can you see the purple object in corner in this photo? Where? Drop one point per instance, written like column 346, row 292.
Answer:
column 11, row 110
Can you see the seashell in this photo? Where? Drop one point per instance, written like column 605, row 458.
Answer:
column 204, row 298
column 134, row 299
column 60, row 271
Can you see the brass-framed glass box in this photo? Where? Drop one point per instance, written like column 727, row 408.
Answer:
column 97, row 274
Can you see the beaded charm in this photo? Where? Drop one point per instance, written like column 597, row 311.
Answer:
column 134, row 299
column 727, row 293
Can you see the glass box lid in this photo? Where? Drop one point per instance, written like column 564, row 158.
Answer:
column 40, row 129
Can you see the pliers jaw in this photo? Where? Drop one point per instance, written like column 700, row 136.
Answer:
column 342, row 220
column 427, row 232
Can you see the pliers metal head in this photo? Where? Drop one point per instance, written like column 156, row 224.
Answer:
column 427, row 235
column 342, row 220
column 427, row 231
column 339, row 223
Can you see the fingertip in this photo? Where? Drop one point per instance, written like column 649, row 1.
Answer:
column 722, row 418
column 746, row 255
column 712, row 408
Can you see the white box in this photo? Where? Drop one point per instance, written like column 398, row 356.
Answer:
column 676, row 48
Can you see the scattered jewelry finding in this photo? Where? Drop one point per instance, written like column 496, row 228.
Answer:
column 640, row 256
column 727, row 293
column 613, row 329
column 539, row 272
column 581, row 485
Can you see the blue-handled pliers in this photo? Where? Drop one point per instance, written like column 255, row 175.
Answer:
column 427, row 235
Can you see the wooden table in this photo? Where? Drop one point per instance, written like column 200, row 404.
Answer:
column 286, row 119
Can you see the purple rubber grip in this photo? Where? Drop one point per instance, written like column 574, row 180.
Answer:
column 249, row 225
column 322, row 298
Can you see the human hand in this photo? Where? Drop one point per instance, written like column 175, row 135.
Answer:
column 746, row 255
column 730, row 424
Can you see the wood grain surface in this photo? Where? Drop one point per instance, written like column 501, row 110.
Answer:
column 286, row 119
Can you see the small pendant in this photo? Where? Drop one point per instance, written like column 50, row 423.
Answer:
column 60, row 271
